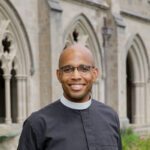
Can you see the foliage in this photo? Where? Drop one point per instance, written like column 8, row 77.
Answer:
column 5, row 137
column 131, row 141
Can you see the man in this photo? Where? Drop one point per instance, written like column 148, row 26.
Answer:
column 76, row 121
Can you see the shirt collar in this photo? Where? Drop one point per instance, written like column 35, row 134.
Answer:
column 73, row 105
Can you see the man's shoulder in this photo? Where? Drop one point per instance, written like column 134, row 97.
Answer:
column 41, row 115
column 50, row 107
column 104, row 111
column 103, row 108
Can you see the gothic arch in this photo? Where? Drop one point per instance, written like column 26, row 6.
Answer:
column 140, row 55
column 137, row 71
column 80, row 30
column 9, row 13
column 15, row 56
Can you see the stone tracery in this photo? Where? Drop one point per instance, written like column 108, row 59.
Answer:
column 7, row 55
column 16, row 65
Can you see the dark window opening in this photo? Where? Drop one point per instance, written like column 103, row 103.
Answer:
column 13, row 87
column 2, row 96
column 6, row 44
column 129, row 91
column 75, row 35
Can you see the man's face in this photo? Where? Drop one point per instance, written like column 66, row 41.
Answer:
column 77, row 85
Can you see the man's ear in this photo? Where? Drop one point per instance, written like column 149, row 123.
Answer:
column 95, row 74
column 58, row 73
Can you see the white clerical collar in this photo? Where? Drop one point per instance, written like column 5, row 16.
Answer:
column 73, row 105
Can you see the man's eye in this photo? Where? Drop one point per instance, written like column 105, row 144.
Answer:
column 84, row 69
column 67, row 70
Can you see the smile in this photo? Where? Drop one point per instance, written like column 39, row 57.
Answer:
column 77, row 87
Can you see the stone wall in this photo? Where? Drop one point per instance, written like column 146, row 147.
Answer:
column 47, row 25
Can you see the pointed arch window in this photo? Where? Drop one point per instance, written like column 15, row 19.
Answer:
column 81, row 31
column 138, row 72
column 16, row 66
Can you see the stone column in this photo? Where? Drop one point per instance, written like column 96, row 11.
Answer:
column 55, row 18
column 142, row 103
column 8, row 119
column 135, row 104
column 19, row 95
column 138, row 104
column 24, row 104
column 117, row 68
column 148, row 102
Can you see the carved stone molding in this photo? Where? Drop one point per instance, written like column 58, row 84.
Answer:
column 136, row 84
column 77, row 36
column 54, row 5
column 21, row 77
column 3, row 29
column 7, row 76
column 7, row 59
column 135, row 15
column 100, row 4
column 119, row 21
column 7, row 47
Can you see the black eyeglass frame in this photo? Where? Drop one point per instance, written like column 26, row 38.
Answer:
column 83, row 68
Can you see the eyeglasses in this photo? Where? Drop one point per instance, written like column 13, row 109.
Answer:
column 82, row 69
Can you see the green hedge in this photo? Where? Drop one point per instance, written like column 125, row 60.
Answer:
column 131, row 141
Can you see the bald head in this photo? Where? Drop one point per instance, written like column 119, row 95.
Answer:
column 76, row 50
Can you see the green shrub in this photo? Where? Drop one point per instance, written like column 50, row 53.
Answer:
column 131, row 141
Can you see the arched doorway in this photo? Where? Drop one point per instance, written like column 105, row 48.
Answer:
column 137, row 73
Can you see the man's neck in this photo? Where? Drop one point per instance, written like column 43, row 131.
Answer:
column 75, row 105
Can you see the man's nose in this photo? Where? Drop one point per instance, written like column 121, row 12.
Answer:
column 76, row 74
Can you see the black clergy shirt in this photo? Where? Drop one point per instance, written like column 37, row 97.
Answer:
column 57, row 127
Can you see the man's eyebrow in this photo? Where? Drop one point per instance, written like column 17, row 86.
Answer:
column 66, row 66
